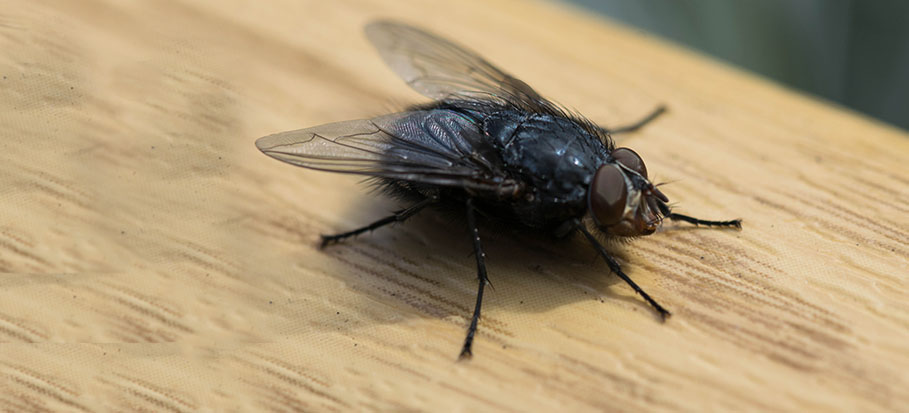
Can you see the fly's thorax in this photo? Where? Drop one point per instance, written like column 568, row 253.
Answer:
column 553, row 155
column 621, row 200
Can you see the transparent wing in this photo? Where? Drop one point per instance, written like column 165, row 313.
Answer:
column 442, row 70
column 437, row 147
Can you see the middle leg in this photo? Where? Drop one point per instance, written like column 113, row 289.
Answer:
column 466, row 352
column 639, row 124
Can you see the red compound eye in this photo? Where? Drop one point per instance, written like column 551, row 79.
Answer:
column 630, row 160
column 607, row 195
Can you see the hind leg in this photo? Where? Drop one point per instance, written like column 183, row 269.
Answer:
column 399, row 216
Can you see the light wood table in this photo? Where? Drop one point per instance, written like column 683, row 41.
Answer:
column 153, row 259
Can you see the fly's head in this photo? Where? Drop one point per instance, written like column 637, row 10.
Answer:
column 621, row 200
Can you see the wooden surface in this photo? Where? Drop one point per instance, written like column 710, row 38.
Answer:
column 153, row 259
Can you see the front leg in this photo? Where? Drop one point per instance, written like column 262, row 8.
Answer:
column 617, row 269
column 735, row 223
column 667, row 212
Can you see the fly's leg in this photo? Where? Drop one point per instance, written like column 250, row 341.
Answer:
column 664, row 209
column 639, row 124
column 399, row 216
column 614, row 266
column 481, row 277
column 735, row 223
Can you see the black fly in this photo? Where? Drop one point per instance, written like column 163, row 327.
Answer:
column 492, row 145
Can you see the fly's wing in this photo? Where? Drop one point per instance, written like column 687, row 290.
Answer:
column 442, row 70
column 437, row 147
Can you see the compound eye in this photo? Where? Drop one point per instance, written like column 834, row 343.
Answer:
column 607, row 195
column 630, row 160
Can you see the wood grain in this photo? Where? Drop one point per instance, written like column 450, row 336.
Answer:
column 152, row 259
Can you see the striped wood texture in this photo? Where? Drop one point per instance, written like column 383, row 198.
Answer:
column 153, row 259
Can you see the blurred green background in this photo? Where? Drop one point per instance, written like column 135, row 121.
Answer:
column 853, row 52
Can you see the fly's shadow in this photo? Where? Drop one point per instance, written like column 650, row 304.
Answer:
column 427, row 264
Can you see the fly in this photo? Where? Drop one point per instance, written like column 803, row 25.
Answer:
column 490, row 144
